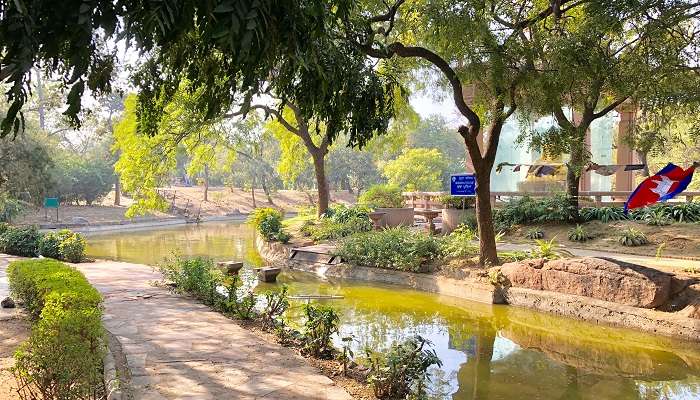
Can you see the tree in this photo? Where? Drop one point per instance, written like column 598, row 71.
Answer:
column 80, row 177
column 607, row 54
column 416, row 170
column 434, row 133
column 477, row 43
column 351, row 170
column 230, row 51
column 314, row 139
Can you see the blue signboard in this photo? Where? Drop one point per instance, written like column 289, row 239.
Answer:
column 463, row 185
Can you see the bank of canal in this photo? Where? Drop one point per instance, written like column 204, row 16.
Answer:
column 488, row 351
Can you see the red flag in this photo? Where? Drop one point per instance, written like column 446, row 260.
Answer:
column 666, row 184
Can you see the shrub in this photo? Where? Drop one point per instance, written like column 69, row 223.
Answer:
column 545, row 249
column 10, row 208
column 395, row 248
column 62, row 359
column 633, row 237
column 579, row 234
column 258, row 215
column 534, row 233
column 459, row 243
column 72, row 247
column 340, row 221
column 382, row 196
column 268, row 222
column 321, row 324
column 49, row 243
column 403, row 371
column 21, row 241
column 63, row 245
column 196, row 276
column 655, row 217
column 276, row 303
column 603, row 214
column 239, row 301
column 526, row 210
column 686, row 212
column 666, row 213
column 456, row 202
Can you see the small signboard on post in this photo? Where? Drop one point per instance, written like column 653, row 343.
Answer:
column 463, row 185
column 50, row 202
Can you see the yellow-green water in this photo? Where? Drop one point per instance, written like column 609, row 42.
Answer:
column 488, row 352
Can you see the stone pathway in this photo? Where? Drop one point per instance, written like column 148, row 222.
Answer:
column 176, row 348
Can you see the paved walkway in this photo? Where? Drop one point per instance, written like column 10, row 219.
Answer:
column 176, row 348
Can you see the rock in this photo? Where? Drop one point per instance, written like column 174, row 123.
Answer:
column 692, row 310
column 80, row 221
column 604, row 279
column 7, row 303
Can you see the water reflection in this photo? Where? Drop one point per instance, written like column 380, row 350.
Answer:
column 488, row 352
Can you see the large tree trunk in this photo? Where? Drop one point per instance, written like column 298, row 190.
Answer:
column 321, row 182
column 266, row 189
column 484, row 218
column 206, row 182
column 252, row 190
column 574, row 170
column 117, row 190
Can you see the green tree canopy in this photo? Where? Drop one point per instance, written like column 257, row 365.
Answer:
column 416, row 170
column 228, row 50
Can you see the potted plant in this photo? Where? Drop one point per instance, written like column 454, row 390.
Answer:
column 455, row 211
column 389, row 200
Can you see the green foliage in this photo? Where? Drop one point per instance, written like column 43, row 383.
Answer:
column 394, row 248
column 535, row 233
column 63, row 245
column 685, row 212
column 382, row 196
column 524, row 210
column 459, row 243
column 276, row 303
column 21, row 241
column 655, row 216
column 10, row 208
column 579, row 234
column 240, row 301
column 82, row 179
column 403, row 371
column 456, row 202
column 632, row 237
column 338, row 222
column 72, row 247
column 195, row 276
column 27, row 164
column 258, row 215
column 417, row 170
column 546, row 249
column 321, row 323
column 602, row 214
column 62, row 359
column 268, row 222
column 665, row 213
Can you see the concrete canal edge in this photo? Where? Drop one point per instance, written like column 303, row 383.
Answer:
column 567, row 305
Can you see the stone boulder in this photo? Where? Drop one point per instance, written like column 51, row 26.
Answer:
column 599, row 278
column 7, row 303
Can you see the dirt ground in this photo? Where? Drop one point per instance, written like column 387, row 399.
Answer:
column 222, row 201
column 675, row 240
column 13, row 331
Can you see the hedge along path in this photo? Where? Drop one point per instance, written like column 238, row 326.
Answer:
column 177, row 348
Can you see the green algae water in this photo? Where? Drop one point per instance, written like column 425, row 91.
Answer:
column 487, row 351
